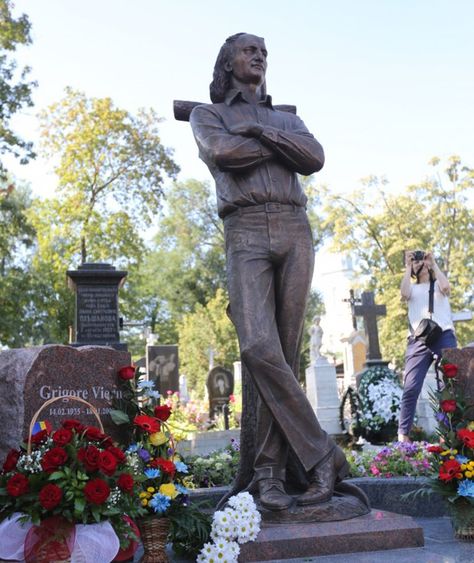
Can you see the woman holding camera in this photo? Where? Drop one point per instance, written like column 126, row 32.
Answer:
column 422, row 267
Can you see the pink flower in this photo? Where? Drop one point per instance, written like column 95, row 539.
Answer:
column 374, row 470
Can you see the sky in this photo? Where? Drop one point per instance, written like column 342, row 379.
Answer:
column 384, row 85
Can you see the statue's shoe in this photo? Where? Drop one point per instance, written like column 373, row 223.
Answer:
column 273, row 495
column 323, row 478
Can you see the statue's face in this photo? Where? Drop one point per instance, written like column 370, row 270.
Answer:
column 249, row 63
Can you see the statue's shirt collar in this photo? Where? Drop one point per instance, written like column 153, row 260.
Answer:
column 234, row 95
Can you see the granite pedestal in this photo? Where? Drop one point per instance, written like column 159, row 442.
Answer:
column 378, row 530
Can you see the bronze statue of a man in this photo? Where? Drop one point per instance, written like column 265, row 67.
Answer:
column 254, row 153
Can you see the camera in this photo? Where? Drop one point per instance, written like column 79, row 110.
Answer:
column 418, row 255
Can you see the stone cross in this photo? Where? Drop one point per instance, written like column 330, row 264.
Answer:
column 370, row 311
column 352, row 300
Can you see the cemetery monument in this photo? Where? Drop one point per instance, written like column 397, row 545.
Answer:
column 97, row 320
column 254, row 151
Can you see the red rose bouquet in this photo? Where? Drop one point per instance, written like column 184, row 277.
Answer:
column 151, row 453
column 65, row 480
column 157, row 467
column 452, row 461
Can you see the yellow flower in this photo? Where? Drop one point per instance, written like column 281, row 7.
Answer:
column 158, row 438
column 169, row 490
column 469, row 474
column 151, row 489
column 144, row 501
column 470, row 426
column 463, row 467
column 143, row 495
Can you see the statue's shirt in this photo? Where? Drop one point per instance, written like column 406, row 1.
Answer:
column 250, row 171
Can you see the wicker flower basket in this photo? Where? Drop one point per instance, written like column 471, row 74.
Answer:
column 462, row 515
column 154, row 535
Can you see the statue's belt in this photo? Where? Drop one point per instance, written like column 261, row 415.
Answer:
column 269, row 207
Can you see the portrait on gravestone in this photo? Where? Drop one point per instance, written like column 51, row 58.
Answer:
column 255, row 152
column 163, row 367
column 220, row 385
column 220, row 382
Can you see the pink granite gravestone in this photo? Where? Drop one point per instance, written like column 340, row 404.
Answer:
column 31, row 376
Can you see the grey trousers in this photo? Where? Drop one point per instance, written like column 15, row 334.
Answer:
column 270, row 261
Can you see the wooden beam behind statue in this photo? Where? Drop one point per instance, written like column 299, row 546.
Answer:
column 182, row 109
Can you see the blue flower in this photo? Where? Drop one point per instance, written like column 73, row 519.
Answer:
column 144, row 455
column 133, row 448
column 182, row 490
column 152, row 473
column 466, row 488
column 159, row 503
column 462, row 459
column 146, row 384
column 181, row 467
column 153, row 394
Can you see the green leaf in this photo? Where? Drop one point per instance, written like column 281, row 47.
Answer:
column 96, row 513
column 79, row 504
column 56, row 476
column 119, row 417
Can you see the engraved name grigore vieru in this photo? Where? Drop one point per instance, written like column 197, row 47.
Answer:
column 95, row 392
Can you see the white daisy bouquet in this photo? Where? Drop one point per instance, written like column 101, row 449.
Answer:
column 238, row 523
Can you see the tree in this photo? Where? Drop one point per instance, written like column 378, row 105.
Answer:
column 207, row 328
column 111, row 169
column 186, row 265
column 15, row 90
column 105, row 158
column 431, row 215
column 17, row 238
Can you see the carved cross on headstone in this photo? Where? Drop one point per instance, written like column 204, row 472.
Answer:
column 370, row 311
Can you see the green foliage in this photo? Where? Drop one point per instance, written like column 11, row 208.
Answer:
column 434, row 214
column 106, row 160
column 208, row 327
column 187, row 263
column 190, row 531
column 15, row 90
column 17, row 238
column 111, row 168
column 217, row 469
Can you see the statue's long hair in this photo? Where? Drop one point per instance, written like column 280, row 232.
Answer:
column 221, row 79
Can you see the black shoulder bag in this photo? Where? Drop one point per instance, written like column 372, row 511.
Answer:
column 428, row 331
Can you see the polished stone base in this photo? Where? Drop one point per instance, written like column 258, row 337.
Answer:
column 378, row 530
column 347, row 502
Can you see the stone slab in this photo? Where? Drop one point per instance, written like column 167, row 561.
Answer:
column 31, row 376
column 383, row 494
column 378, row 530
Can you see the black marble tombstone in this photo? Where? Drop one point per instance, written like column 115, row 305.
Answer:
column 96, row 287
column 162, row 363
column 220, row 386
